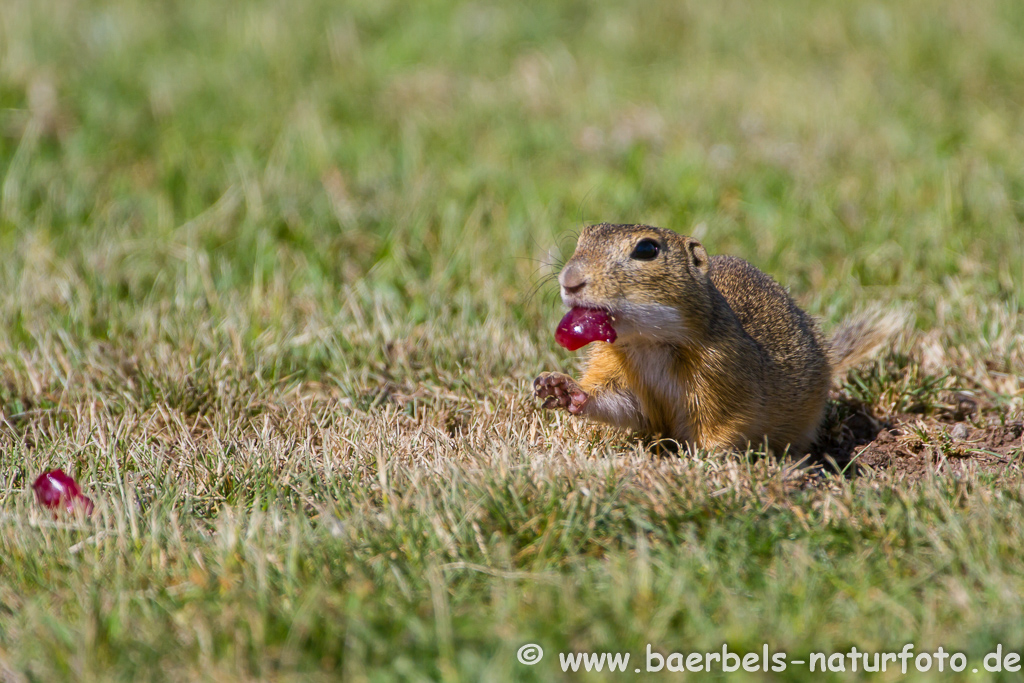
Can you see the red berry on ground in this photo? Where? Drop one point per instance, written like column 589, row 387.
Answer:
column 55, row 489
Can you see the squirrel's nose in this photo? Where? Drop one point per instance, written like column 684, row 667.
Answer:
column 571, row 279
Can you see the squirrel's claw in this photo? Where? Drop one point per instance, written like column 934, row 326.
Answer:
column 560, row 391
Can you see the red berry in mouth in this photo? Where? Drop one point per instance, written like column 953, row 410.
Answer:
column 54, row 490
column 580, row 326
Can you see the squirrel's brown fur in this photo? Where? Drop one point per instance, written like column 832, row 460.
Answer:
column 709, row 351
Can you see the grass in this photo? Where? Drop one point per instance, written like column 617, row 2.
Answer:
column 273, row 292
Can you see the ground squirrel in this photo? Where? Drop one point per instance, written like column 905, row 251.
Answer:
column 704, row 350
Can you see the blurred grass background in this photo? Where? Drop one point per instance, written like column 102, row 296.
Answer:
column 431, row 151
column 216, row 215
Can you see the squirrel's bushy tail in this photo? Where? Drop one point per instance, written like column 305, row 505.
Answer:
column 861, row 335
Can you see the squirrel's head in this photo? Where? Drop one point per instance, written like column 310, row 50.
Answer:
column 652, row 282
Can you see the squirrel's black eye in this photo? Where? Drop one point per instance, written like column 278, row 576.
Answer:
column 645, row 250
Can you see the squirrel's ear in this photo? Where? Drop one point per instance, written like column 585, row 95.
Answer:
column 698, row 254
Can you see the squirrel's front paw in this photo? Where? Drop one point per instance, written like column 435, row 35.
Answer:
column 560, row 391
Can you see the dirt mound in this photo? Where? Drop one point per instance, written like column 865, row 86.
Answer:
column 914, row 445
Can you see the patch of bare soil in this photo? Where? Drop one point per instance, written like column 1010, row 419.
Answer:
column 916, row 448
column 913, row 446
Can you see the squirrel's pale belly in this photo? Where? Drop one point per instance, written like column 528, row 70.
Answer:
column 639, row 389
column 666, row 393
